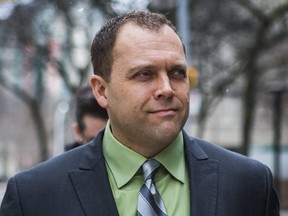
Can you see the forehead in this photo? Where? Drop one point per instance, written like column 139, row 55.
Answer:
column 134, row 36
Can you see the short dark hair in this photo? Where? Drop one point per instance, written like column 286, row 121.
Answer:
column 104, row 40
column 86, row 104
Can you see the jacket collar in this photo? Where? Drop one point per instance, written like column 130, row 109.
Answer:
column 203, row 178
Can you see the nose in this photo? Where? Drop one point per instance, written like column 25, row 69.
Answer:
column 164, row 88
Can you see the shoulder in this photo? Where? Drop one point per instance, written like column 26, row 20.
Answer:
column 81, row 157
column 227, row 160
column 236, row 174
column 55, row 166
column 70, row 146
column 58, row 167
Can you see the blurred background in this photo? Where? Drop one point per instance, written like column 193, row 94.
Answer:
column 237, row 52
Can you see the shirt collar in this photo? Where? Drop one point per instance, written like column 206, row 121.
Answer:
column 124, row 163
column 172, row 158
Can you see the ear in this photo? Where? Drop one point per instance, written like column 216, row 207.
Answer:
column 98, row 85
column 77, row 132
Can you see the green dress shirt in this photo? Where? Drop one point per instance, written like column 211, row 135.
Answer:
column 126, row 179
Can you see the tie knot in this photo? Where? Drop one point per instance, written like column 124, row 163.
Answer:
column 149, row 167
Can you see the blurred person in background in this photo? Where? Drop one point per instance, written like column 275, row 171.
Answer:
column 143, row 163
column 90, row 118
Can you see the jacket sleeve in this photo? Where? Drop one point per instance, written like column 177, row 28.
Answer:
column 272, row 205
column 11, row 205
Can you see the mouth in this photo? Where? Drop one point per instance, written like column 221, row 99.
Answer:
column 164, row 112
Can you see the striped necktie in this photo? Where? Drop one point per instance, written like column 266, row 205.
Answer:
column 150, row 202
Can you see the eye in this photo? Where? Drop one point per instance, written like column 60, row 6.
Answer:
column 178, row 74
column 142, row 75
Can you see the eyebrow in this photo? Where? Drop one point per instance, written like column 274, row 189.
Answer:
column 147, row 65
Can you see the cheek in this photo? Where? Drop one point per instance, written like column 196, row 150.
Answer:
column 120, row 100
column 133, row 95
column 183, row 95
column 129, row 97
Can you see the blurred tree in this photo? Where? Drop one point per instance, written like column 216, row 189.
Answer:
column 24, row 56
column 249, row 32
column 43, row 37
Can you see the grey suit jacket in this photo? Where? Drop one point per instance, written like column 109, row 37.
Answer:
column 76, row 183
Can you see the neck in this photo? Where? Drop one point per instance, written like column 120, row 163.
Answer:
column 147, row 151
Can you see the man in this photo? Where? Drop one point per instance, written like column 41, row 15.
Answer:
column 140, row 78
column 90, row 118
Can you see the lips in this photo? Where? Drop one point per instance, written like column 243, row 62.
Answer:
column 163, row 110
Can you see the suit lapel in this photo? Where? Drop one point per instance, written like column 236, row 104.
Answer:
column 203, row 175
column 91, row 182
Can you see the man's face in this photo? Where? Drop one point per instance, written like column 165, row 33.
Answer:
column 92, row 126
column 147, row 97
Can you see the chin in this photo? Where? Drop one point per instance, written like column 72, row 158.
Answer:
column 167, row 133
